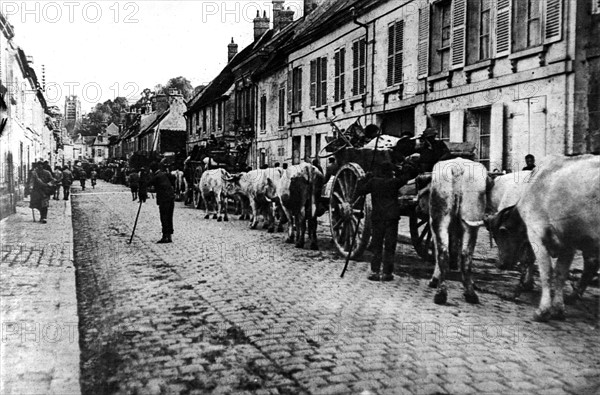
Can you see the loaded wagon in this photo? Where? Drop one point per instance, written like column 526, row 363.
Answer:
column 347, row 211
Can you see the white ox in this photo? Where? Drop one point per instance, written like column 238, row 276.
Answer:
column 457, row 203
column 299, row 190
column 506, row 192
column 558, row 215
column 213, row 185
column 260, row 192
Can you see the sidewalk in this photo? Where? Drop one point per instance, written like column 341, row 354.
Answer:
column 39, row 351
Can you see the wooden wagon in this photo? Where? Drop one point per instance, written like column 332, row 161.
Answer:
column 347, row 210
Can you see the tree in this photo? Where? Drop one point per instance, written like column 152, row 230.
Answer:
column 103, row 115
column 182, row 84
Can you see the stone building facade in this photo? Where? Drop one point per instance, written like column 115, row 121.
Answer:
column 515, row 77
column 26, row 130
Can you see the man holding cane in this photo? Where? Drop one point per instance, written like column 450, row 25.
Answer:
column 165, row 198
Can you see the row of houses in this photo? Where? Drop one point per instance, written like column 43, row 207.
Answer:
column 30, row 130
column 514, row 77
column 159, row 126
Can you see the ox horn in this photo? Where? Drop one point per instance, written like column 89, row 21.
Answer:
column 473, row 224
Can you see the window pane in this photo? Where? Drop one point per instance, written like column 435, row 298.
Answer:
column 485, row 22
column 534, row 33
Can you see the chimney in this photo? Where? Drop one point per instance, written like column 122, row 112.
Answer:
column 277, row 8
column 261, row 25
column 232, row 50
column 162, row 103
column 309, row 5
column 285, row 17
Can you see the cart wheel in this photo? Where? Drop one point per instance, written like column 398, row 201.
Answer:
column 196, row 180
column 345, row 209
column 421, row 237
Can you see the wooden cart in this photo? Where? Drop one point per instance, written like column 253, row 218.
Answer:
column 346, row 208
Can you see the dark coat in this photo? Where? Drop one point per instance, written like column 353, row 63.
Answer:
column 163, row 186
column 430, row 155
column 42, row 187
column 384, row 197
column 67, row 178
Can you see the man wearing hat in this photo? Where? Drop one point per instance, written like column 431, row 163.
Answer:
column 42, row 187
column 165, row 198
column 431, row 150
column 384, row 190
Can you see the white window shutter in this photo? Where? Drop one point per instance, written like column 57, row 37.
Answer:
column 553, row 21
column 423, row 57
column 459, row 21
column 503, row 27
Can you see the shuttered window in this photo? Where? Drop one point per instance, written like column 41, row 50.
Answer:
column 318, row 82
column 395, row 52
column 339, row 74
column 297, row 89
column 281, row 118
column 535, row 22
column 553, row 19
column 459, row 18
column 359, row 64
column 263, row 112
column 423, row 55
column 503, row 27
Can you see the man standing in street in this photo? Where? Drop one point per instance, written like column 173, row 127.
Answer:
column 42, row 187
column 67, row 181
column 58, row 176
column 165, row 198
column 384, row 190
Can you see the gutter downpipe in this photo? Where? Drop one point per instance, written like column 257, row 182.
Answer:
column 366, row 27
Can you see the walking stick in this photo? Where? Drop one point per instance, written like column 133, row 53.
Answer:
column 136, row 221
column 33, row 214
column 361, row 213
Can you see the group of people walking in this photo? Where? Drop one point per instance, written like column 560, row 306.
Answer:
column 44, row 183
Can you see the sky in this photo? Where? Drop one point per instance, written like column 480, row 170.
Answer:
column 102, row 49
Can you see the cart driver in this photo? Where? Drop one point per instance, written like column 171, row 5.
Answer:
column 431, row 150
column 384, row 189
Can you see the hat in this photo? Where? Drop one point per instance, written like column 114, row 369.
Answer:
column 428, row 132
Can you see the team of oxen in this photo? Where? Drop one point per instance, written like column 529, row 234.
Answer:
column 292, row 195
column 551, row 212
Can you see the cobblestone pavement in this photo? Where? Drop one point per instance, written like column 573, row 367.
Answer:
column 228, row 310
column 39, row 351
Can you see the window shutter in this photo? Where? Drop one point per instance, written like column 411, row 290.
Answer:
column 323, row 81
column 336, row 78
column 355, row 68
column 342, row 73
column 399, row 52
column 363, row 62
column 503, row 28
column 423, row 57
column 553, row 20
column 313, row 82
column 391, row 48
column 459, row 15
column 289, row 90
column 299, row 89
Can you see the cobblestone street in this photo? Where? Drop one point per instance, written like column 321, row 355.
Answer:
column 225, row 309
